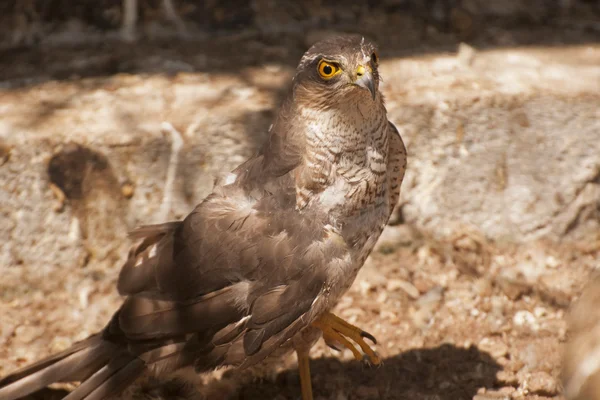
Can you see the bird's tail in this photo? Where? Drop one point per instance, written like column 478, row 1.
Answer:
column 103, row 367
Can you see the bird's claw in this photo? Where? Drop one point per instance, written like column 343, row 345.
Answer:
column 367, row 335
column 336, row 333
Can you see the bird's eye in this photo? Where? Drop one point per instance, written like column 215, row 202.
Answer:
column 327, row 69
column 375, row 57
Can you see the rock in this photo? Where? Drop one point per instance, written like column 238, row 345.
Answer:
column 111, row 177
column 466, row 54
column 407, row 287
column 507, row 378
column 127, row 190
column 432, row 298
column 426, row 306
column 486, row 142
column 524, row 318
column 503, row 393
column 543, row 384
column 493, row 345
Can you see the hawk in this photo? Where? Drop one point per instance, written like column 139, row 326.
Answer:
column 257, row 266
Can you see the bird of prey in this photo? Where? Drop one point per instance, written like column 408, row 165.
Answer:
column 259, row 264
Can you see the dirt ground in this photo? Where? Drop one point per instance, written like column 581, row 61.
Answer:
column 462, row 318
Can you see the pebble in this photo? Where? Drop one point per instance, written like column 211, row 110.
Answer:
column 484, row 287
column 425, row 307
column 395, row 284
column 525, row 319
column 28, row 333
column 491, row 396
column 540, row 312
column 542, row 383
column 423, row 285
column 507, row 377
column 494, row 346
column 60, row 343
column 127, row 190
column 432, row 298
column 514, row 288
column 382, row 297
column 466, row 54
column 5, row 151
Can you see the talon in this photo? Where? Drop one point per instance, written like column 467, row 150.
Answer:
column 370, row 363
column 374, row 359
column 368, row 336
column 336, row 330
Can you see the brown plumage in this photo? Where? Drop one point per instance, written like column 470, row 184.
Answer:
column 273, row 247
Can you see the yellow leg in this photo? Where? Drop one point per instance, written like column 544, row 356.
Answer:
column 336, row 329
column 304, row 370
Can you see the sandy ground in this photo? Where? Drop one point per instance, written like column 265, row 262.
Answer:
column 458, row 319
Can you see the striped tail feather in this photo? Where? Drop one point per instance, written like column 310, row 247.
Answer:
column 103, row 368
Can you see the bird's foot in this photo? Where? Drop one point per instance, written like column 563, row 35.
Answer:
column 336, row 330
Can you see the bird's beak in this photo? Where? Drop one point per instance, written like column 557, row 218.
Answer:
column 364, row 79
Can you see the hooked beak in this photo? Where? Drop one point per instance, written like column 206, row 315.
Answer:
column 364, row 79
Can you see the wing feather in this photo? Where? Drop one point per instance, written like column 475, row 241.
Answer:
column 239, row 274
column 396, row 165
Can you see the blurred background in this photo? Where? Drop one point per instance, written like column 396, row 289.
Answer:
column 116, row 113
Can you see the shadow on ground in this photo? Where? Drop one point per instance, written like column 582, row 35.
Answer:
column 446, row 372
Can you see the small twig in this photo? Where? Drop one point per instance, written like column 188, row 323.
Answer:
column 172, row 16
column 130, row 16
column 176, row 145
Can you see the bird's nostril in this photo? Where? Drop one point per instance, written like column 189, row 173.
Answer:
column 360, row 71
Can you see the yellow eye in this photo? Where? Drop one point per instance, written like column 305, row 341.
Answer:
column 328, row 69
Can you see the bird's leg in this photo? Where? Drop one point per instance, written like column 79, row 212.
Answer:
column 337, row 330
column 304, row 370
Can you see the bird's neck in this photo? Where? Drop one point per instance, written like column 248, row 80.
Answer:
column 343, row 149
column 343, row 131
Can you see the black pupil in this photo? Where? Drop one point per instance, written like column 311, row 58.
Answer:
column 327, row 70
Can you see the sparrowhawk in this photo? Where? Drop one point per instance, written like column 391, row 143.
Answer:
column 266, row 256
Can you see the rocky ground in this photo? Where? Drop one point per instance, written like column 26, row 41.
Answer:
column 468, row 290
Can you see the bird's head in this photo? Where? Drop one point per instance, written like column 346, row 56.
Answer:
column 339, row 68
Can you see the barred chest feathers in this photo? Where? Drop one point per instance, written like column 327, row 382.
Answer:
column 345, row 171
column 345, row 165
